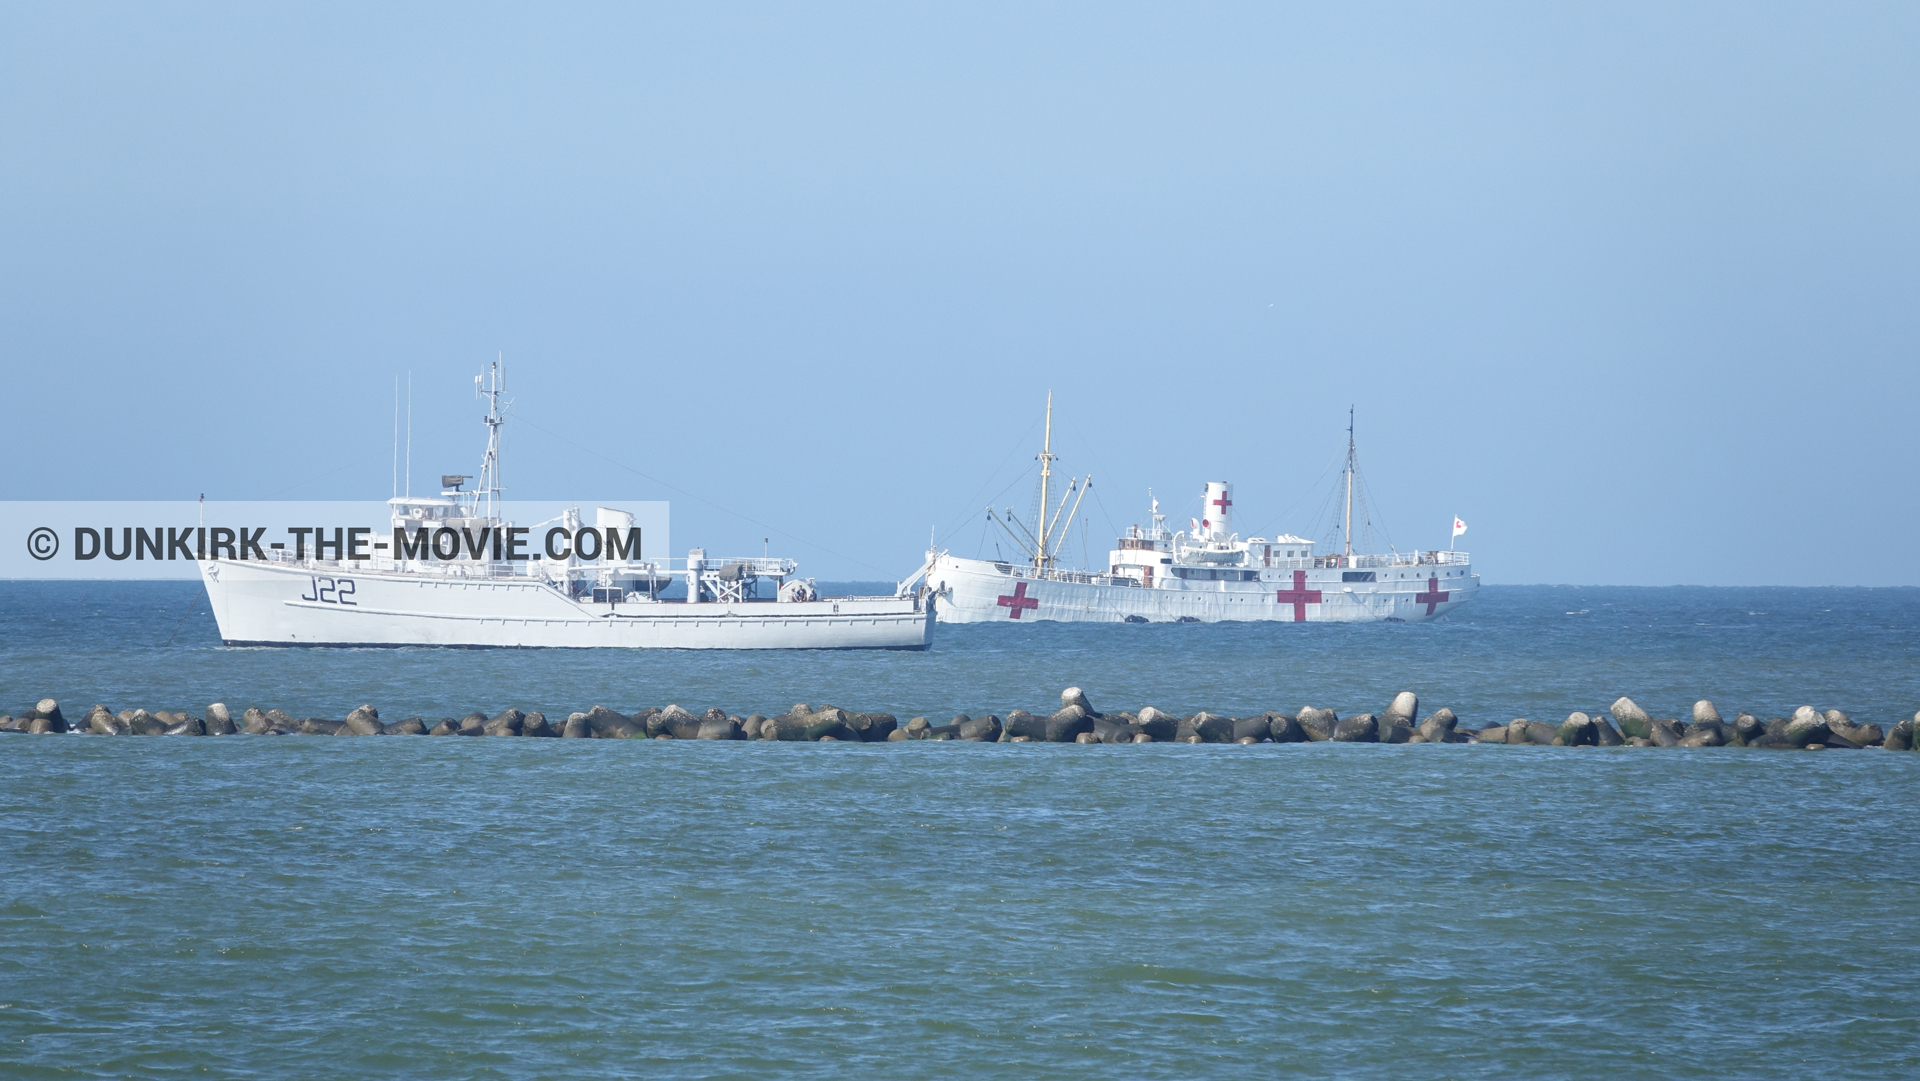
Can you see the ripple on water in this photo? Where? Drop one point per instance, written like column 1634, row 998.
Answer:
column 477, row 908
column 473, row 908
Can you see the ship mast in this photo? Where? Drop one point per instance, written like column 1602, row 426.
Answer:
column 489, row 487
column 1040, row 540
column 1041, row 558
column 1349, row 529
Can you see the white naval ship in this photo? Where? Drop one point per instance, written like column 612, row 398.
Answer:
column 1203, row 574
column 451, row 577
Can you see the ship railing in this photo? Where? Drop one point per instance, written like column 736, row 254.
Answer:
column 1290, row 564
column 1434, row 558
column 1054, row 574
column 761, row 566
column 449, row 568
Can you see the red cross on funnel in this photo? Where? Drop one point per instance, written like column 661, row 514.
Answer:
column 1217, row 499
column 1299, row 596
column 1433, row 596
column 1018, row 602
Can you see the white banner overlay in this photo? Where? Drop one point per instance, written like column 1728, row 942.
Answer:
column 165, row 538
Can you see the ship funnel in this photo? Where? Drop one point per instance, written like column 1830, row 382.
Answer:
column 607, row 517
column 1216, row 513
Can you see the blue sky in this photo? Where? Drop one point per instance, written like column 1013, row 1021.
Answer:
column 1629, row 288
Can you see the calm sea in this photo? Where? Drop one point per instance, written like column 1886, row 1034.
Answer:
column 301, row 906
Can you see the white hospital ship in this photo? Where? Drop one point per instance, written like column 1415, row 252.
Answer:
column 1203, row 574
column 454, row 573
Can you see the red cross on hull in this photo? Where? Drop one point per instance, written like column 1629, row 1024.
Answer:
column 1299, row 596
column 1433, row 596
column 1018, row 602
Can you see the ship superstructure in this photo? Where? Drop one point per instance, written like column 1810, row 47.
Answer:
column 454, row 572
column 1204, row 573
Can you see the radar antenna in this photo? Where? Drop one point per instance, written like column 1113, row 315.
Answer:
column 489, row 487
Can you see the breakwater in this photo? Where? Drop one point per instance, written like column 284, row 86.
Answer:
column 1519, row 655
column 270, row 906
column 1624, row 724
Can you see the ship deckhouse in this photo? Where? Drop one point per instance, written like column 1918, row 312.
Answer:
column 455, row 572
column 1203, row 573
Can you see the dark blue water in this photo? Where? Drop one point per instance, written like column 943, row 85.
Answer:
column 411, row 907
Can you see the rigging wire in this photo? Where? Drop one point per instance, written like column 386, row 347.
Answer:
column 1014, row 449
column 1329, row 513
column 1196, row 507
column 724, row 510
column 1004, row 491
column 1009, row 487
column 1366, row 497
column 1100, row 466
column 1311, row 488
column 1102, row 504
column 192, row 608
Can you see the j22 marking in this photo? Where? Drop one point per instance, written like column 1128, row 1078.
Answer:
column 331, row 591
